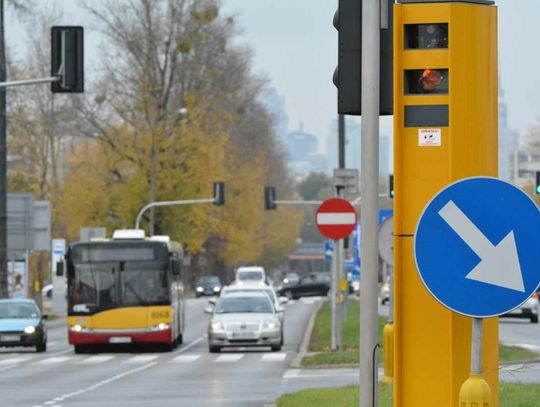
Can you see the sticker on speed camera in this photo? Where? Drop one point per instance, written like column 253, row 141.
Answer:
column 429, row 137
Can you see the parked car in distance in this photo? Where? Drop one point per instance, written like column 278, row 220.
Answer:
column 278, row 302
column 208, row 285
column 21, row 324
column 250, row 275
column 244, row 319
column 310, row 285
column 530, row 309
column 290, row 279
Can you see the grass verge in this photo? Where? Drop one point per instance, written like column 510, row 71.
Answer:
column 510, row 395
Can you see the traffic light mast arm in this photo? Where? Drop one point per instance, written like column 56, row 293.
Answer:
column 30, row 81
column 169, row 203
column 298, row 202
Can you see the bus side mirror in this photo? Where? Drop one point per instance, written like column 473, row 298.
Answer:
column 60, row 268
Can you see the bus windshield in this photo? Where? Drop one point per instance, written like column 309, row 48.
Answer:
column 114, row 284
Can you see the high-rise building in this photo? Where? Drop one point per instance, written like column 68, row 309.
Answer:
column 275, row 103
column 353, row 147
column 508, row 141
column 299, row 145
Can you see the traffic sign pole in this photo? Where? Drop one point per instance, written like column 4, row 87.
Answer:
column 475, row 391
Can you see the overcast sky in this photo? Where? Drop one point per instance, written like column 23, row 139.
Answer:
column 295, row 45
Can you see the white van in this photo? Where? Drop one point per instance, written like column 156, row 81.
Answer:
column 250, row 275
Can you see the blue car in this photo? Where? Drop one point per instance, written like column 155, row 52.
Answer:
column 21, row 324
column 208, row 285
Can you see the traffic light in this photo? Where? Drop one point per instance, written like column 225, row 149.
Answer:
column 219, row 193
column 270, row 198
column 347, row 76
column 67, row 59
column 537, row 189
column 391, row 185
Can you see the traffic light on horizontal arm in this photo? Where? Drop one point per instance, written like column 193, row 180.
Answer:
column 67, row 59
column 270, row 198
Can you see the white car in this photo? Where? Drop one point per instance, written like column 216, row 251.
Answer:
column 250, row 275
column 530, row 310
column 244, row 319
column 269, row 291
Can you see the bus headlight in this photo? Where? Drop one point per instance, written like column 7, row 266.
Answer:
column 160, row 327
column 200, row 289
column 30, row 329
column 78, row 328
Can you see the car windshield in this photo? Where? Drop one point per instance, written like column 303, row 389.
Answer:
column 18, row 310
column 292, row 277
column 228, row 305
column 208, row 280
column 268, row 291
column 107, row 285
column 250, row 275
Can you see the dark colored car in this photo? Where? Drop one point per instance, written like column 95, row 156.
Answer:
column 312, row 284
column 21, row 324
column 208, row 285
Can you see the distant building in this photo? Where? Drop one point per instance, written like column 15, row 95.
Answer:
column 353, row 147
column 275, row 103
column 508, row 142
column 524, row 162
column 300, row 145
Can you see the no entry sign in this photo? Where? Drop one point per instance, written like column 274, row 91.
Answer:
column 336, row 218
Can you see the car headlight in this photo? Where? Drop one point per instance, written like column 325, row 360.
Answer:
column 160, row 327
column 79, row 328
column 30, row 329
column 216, row 289
column 270, row 325
column 200, row 289
column 217, row 326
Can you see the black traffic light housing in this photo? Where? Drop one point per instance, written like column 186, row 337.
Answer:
column 391, row 185
column 537, row 189
column 219, row 193
column 348, row 74
column 270, row 198
column 67, row 59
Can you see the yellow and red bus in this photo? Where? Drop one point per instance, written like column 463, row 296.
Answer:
column 127, row 290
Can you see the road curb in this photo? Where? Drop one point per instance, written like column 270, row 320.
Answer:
column 296, row 362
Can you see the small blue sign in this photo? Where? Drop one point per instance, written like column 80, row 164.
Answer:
column 477, row 249
column 329, row 250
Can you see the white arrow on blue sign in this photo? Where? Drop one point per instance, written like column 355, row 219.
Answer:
column 477, row 247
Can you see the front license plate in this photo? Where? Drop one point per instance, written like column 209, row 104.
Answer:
column 10, row 338
column 243, row 335
column 120, row 339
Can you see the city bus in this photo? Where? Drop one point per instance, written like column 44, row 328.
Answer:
column 126, row 290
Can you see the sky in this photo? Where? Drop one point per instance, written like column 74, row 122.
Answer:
column 295, row 46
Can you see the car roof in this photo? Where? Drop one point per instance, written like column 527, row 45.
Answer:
column 246, row 294
column 19, row 300
column 250, row 268
column 246, row 288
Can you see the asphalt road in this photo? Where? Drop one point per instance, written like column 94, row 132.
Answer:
column 189, row 376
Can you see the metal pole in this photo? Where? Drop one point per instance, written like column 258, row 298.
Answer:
column 334, row 325
column 341, row 141
column 152, row 182
column 22, row 82
column 369, row 192
column 476, row 348
column 3, row 162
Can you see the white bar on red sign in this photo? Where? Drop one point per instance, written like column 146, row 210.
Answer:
column 343, row 218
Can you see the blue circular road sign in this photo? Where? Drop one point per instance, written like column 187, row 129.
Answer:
column 477, row 247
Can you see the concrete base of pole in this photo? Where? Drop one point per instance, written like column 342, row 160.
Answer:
column 475, row 392
column 388, row 348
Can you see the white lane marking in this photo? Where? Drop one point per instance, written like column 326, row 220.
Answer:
column 336, row 218
column 62, row 352
column 2, row 369
column 274, row 357
column 229, row 358
column 291, row 373
column 99, row 384
column 186, row 358
column 10, row 361
column 190, row 345
column 54, row 359
column 141, row 359
column 96, row 359
column 52, row 343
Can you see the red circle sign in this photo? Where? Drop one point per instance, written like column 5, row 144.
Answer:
column 336, row 218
